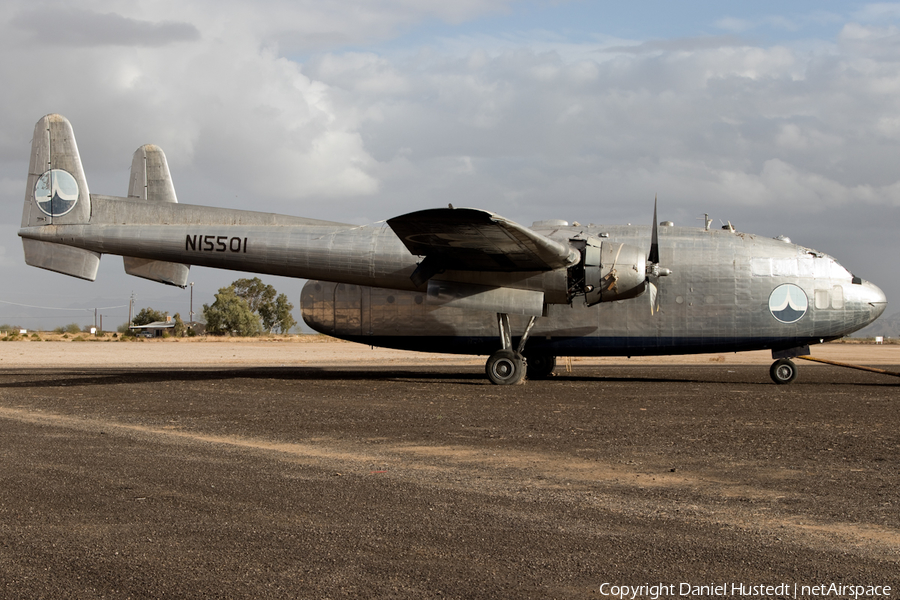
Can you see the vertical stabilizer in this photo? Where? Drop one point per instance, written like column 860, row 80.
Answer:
column 57, row 194
column 57, row 191
column 150, row 180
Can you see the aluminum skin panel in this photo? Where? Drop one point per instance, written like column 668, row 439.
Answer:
column 485, row 299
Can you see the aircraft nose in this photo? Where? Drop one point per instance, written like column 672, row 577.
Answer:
column 873, row 295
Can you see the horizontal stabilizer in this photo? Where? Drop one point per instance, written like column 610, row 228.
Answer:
column 62, row 259
column 468, row 239
column 157, row 270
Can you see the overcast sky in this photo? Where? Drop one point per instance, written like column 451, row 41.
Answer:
column 782, row 118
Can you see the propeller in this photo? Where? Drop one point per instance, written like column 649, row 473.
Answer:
column 654, row 271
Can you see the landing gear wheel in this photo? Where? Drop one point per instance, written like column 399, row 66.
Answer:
column 783, row 371
column 505, row 367
column 540, row 366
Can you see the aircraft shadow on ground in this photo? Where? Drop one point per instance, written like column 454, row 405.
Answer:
column 103, row 377
column 73, row 378
column 473, row 376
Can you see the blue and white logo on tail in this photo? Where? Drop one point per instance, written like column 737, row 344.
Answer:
column 788, row 303
column 56, row 192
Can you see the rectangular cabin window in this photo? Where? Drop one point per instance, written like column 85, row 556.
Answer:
column 822, row 298
column 778, row 267
column 761, row 267
column 837, row 297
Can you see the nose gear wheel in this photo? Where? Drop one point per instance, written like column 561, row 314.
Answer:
column 783, row 371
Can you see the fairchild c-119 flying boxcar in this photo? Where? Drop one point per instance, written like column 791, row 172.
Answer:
column 460, row 280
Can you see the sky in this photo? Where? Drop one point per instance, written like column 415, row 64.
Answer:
column 781, row 118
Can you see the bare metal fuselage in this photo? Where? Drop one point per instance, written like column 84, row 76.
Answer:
column 716, row 299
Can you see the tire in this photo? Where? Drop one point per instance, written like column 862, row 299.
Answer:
column 505, row 367
column 783, row 371
column 540, row 366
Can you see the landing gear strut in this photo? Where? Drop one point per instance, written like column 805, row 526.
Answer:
column 507, row 366
column 783, row 371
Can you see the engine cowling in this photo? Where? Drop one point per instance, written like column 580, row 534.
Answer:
column 607, row 271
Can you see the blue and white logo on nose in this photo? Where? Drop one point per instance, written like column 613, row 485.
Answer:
column 788, row 303
column 56, row 192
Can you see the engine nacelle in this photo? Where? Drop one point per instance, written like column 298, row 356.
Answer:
column 608, row 271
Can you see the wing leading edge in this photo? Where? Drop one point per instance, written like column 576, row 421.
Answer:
column 469, row 239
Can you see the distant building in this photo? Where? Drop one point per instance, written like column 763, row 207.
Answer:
column 154, row 329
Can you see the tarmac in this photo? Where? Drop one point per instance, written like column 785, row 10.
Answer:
column 280, row 470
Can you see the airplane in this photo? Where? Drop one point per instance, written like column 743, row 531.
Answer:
column 461, row 280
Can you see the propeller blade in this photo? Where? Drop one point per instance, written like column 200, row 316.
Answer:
column 653, row 257
column 654, row 271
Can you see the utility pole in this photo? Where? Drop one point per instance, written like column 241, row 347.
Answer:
column 192, row 303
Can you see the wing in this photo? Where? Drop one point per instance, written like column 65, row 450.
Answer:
column 469, row 239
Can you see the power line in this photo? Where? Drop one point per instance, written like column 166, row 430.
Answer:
column 69, row 308
column 58, row 316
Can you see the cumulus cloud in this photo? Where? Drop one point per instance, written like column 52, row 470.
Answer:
column 314, row 108
column 525, row 120
column 71, row 26
column 238, row 114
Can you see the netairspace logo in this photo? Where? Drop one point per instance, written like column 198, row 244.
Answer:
column 737, row 590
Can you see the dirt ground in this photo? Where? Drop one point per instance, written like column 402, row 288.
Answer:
column 329, row 470
column 324, row 351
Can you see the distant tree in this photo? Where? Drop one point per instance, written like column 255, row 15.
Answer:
column 230, row 313
column 180, row 328
column 258, row 295
column 273, row 309
column 282, row 320
column 72, row 328
column 147, row 316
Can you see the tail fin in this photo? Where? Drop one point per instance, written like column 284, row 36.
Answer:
column 57, row 191
column 57, row 194
column 150, row 180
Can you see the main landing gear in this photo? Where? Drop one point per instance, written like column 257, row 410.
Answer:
column 507, row 366
column 540, row 366
column 783, row 371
